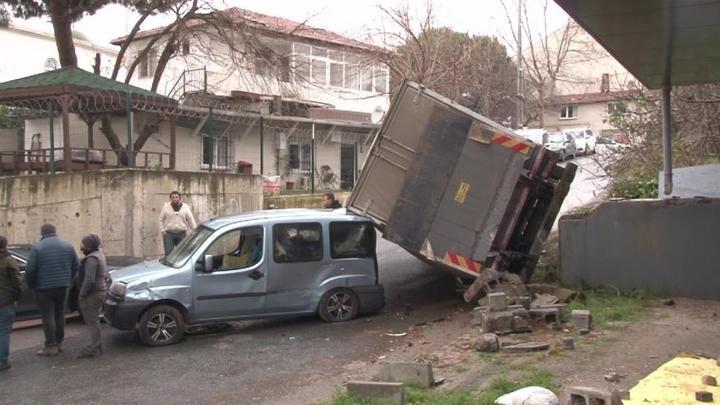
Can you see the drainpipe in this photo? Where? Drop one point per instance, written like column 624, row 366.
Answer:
column 667, row 141
column 262, row 146
column 312, row 160
column 211, row 141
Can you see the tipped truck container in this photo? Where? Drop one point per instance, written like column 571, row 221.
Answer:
column 458, row 190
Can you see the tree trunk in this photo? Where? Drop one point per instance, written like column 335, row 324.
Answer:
column 167, row 53
column 112, row 138
column 62, row 27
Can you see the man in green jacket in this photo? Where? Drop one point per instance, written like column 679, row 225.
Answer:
column 9, row 293
column 49, row 272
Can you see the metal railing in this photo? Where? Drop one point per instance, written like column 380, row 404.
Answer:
column 81, row 159
column 190, row 81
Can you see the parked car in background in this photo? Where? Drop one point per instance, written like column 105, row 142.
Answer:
column 609, row 145
column 563, row 144
column 585, row 139
column 26, row 307
column 536, row 135
column 276, row 263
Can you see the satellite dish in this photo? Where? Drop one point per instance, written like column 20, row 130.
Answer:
column 377, row 115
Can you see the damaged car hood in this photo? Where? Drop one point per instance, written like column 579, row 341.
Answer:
column 137, row 272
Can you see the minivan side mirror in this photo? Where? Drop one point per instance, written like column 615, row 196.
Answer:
column 205, row 264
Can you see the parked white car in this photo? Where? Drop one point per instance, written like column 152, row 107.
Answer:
column 585, row 139
column 536, row 135
column 563, row 144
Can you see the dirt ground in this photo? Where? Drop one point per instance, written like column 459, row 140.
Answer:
column 631, row 349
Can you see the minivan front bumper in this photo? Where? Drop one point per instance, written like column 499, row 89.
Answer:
column 124, row 315
column 372, row 298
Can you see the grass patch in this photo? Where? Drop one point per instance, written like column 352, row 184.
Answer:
column 610, row 306
column 499, row 386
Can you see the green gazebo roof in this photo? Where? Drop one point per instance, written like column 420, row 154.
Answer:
column 69, row 80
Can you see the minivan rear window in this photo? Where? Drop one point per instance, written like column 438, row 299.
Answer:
column 351, row 239
column 297, row 242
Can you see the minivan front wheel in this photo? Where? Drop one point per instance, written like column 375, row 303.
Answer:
column 161, row 325
column 339, row 305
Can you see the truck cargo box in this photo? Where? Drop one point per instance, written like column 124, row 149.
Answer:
column 457, row 189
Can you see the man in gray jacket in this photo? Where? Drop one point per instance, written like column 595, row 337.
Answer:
column 49, row 273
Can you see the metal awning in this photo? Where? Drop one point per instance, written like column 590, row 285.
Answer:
column 661, row 42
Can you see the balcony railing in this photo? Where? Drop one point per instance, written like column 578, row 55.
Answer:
column 81, row 159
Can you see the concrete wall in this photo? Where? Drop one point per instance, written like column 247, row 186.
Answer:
column 693, row 181
column 301, row 200
column 122, row 206
column 667, row 247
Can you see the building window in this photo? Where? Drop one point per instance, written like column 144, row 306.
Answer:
column 619, row 107
column 148, row 64
column 380, row 79
column 300, row 158
column 220, row 151
column 568, row 112
column 51, row 64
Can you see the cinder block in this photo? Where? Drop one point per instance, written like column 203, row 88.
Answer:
column 590, row 396
column 497, row 302
column 582, row 320
column 387, row 391
column 497, row 322
column 410, row 373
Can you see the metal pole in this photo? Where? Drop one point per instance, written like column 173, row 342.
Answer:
column 211, row 141
column 667, row 141
column 312, row 161
column 129, row 148
column 520, row 113
column 51, row 112
column 262, row 146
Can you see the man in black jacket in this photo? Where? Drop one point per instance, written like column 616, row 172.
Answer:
column 9, row 293
column 329, row 201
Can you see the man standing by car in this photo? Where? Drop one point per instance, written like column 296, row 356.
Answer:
column 329, row 201
column 9, row 293
column 93, row 287
column 49, row 273
column 176, row 220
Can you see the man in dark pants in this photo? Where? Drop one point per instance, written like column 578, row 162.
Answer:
column 49, row 273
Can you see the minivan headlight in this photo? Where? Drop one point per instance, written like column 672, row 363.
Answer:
column 118, row 288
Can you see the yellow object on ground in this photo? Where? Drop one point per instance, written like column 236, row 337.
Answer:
column 676, row 382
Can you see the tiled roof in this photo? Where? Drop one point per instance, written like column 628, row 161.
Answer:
column 277, row 25
column 589, row 98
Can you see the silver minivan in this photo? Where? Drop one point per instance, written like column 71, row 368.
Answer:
column 253, row 265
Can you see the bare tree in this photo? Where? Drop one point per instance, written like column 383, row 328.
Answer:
column 472, row 70
column 546, row 60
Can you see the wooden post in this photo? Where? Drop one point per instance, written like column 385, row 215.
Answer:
column 66, row 134
column 91, row 138
column 173, row 120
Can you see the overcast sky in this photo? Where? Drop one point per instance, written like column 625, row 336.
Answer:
column 352, row 18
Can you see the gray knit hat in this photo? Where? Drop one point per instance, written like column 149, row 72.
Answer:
column 92, row 242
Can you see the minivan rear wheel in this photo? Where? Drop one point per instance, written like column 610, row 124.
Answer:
column 339, row 305
column 161, row 325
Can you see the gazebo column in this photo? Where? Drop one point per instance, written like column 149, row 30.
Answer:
column 91, row 138
column 66, row 134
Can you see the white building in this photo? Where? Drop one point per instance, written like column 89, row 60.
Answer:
column 27, row 51
column 280, row 68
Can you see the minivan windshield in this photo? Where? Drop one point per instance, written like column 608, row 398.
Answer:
column 182, row 252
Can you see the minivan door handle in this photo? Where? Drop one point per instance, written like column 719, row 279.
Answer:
column 256, row 275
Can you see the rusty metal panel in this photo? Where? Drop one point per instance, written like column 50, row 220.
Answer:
column 386, row 167
column 436, row 156
column 489, row 173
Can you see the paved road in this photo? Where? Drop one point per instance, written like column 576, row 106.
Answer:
column 277, row 361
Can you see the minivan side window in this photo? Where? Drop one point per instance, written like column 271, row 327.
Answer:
column 351, row 239
column 237, row 249
column 297, row 242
